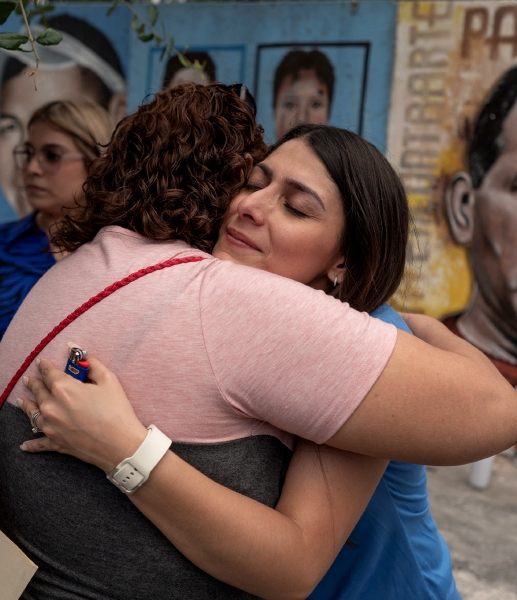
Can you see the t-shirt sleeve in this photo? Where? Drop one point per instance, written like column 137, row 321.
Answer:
column 286, row 354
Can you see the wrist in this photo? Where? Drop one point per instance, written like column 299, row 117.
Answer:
column 132, row 472
column 121, row 447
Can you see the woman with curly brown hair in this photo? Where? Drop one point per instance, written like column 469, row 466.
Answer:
column 211, row 351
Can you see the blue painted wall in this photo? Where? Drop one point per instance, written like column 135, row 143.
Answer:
column 247, row 41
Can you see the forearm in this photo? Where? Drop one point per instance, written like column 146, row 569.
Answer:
column 274, row 554
column 279, row 553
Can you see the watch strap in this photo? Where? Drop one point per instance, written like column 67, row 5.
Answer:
column 134, row 471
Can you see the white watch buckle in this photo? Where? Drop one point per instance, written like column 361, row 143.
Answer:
column 126, row 477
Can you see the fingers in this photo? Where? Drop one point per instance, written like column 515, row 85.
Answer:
column 42, row 444
column 37, row 388
column 49, row 373
column 28, row 406
column 98, row 372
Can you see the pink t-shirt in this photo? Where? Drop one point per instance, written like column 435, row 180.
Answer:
column 208, row 351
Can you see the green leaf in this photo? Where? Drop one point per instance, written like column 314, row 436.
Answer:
column 49, row 37
column 12, row 41
column 135, row 22
column 6, row 8
column 112, row 8
column 185, row 62
column 145, row 37
column 152, row 11
column 162, row 53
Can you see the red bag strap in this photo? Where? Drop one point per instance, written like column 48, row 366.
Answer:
column 84, row 307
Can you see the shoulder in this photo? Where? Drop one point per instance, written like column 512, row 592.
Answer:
column 389, row 315
column 13, row 231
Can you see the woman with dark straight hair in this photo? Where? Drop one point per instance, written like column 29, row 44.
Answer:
column 230, row 361
column 373, row 242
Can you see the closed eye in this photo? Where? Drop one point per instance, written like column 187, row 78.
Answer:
column 295, row 211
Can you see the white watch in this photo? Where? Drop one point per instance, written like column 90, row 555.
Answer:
column 134, row 471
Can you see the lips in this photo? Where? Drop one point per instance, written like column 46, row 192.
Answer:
column 236, row 238
column 34, row 188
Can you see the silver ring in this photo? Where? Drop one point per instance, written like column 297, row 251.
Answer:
column 35, row 428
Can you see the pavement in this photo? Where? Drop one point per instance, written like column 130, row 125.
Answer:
column 480, row 527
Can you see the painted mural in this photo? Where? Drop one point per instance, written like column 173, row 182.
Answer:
column 90, row 62
column 317, row 62
column 453, row 134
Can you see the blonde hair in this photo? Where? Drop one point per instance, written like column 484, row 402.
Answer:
column 87, row 123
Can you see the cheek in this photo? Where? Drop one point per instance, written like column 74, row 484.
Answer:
column 308, row 249
column 68, row 184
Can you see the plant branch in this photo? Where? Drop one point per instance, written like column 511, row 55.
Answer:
column 160, row 39
column 146, row 25
column 31, row 40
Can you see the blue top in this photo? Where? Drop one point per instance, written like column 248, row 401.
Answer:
column 24, row 258
column 6, row 210
column 397, row 552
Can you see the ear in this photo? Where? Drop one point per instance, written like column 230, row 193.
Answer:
column 117, row 107
column 459, row 204
column 338, row 270
column 249, row 163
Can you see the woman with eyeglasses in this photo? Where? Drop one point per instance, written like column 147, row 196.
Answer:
column 64, row 138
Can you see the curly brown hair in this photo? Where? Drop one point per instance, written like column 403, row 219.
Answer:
column 170, row 169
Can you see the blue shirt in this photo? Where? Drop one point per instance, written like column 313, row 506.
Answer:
column 397, row 552
column 24, row 258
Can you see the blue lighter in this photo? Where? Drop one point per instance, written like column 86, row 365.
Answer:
column 77, row 365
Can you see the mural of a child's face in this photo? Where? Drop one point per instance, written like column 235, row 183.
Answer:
column 301, row 99
column 19, row 100
column 189, row 74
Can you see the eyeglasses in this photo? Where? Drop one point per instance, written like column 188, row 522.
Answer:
column 48, row 157
column 244, row 94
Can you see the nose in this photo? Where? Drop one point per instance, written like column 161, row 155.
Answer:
column 302, row 114
column 33, row 166
column 255, row 206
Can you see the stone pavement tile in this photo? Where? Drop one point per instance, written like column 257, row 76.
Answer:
column 472, row 588
column 480, row 528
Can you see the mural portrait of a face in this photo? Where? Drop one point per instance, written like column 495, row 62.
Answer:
column 84, row 65
column 302, row 90
column 482, row 213
column 176, row 72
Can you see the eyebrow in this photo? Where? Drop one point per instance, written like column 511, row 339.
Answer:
column 296, row 184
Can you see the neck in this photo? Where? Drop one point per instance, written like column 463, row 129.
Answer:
column 45, row 222
column 485, row 328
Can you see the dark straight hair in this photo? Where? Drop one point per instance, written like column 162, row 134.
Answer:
column 375, row 234
column 488, row 141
